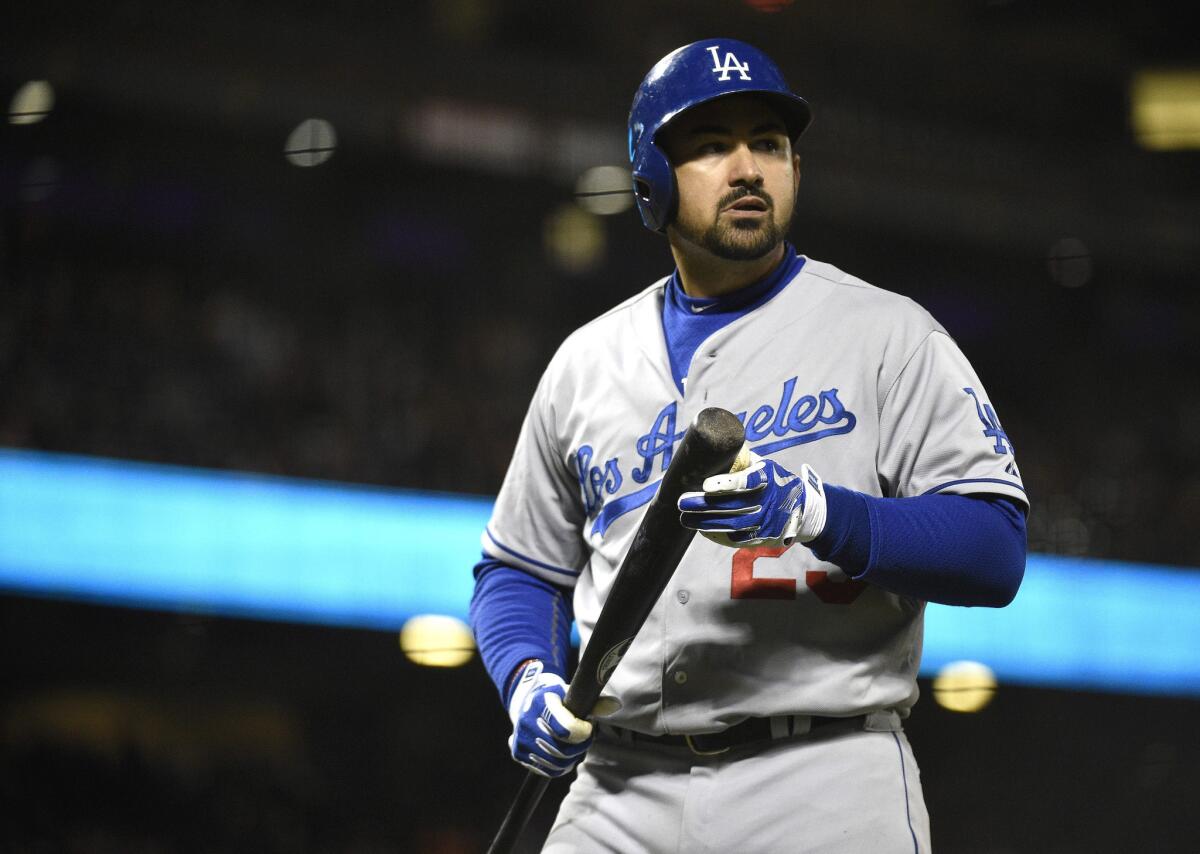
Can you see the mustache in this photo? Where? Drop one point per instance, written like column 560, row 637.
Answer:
column 739, row 193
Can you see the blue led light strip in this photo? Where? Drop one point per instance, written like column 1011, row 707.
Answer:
column 242, row 545
column 1082, row 623
column 164, row 537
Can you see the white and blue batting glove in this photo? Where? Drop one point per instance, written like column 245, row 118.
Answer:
column 763, row 505
column 546, row 739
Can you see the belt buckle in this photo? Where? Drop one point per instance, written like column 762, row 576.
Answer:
column 698, row 752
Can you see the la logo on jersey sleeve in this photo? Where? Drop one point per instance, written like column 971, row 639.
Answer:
column 991, row 424
column 993, row 431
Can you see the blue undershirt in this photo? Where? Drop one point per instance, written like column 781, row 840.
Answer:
column 517, row 616
column 689, row 321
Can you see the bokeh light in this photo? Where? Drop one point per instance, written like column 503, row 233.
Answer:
column 1070, row 262
column 31, row 103
column 768, row 6
column 311, row 143
column 605, row 190
column 964, row 686
column 1165, row 109
column 437, row 640
column 574, row 239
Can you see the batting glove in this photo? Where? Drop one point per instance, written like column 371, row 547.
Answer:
column 547, row 739
column 763, row 505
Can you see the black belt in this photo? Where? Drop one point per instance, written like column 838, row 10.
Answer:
column 749, row 731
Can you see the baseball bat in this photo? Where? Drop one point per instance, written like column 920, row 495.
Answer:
column 709, row 447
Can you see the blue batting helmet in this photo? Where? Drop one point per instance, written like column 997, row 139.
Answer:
column 684, row 78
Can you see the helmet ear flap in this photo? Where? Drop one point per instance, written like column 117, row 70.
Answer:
column 641, row 189
column 654, row 187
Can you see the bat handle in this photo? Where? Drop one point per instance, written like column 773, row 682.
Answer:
column 523, row 805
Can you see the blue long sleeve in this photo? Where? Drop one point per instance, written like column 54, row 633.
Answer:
column 951, row 549
column 515, row 617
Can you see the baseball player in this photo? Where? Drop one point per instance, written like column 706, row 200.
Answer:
column 760, row 708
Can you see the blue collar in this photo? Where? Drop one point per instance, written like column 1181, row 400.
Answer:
column 688, row 321
column 743, row 299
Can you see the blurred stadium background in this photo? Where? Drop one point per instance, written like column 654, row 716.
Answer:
column 279, row 278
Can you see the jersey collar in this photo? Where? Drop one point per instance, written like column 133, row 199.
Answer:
column 743, row 299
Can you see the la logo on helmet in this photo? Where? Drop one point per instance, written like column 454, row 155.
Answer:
column 731, row 64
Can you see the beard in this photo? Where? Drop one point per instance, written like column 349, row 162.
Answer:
column 737, row 239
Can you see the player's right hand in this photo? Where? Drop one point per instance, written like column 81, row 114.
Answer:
column 547, row 739
column 763, row 505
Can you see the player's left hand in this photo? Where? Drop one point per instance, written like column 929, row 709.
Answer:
column 547, row 739
column 763, row 505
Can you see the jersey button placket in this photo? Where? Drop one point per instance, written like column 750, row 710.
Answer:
column 683, row 597
column 696, row 387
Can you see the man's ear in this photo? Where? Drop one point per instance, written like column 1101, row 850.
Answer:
column 796, row 170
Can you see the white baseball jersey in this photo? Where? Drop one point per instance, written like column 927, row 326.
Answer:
column 858, row 382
